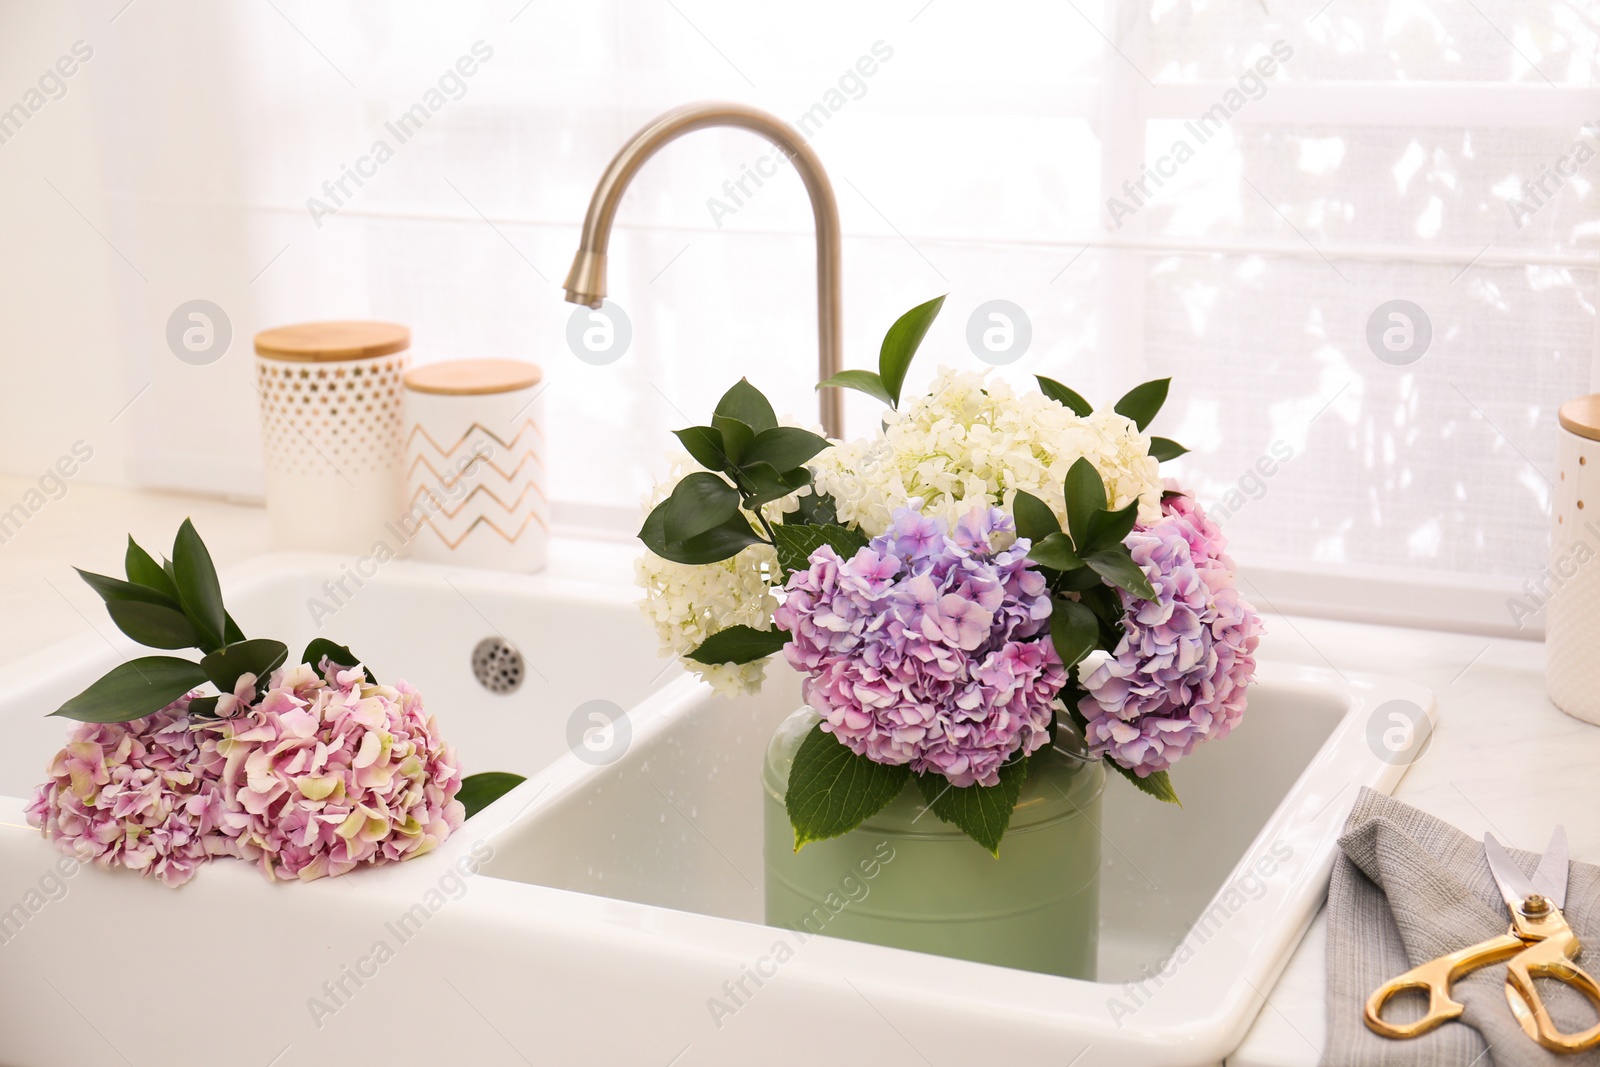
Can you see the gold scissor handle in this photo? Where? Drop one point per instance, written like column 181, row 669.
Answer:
column 1435, row 978
column 1551, row 958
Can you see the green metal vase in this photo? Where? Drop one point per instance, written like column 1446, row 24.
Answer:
column 907, row 880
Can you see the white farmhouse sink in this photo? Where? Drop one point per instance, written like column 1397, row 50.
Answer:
column 615, row 901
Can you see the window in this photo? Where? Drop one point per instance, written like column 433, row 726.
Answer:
column 1235, row 194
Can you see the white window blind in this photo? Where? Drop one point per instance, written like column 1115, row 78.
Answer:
column 1375, row 158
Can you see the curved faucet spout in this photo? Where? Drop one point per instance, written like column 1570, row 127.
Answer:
column 586, row 284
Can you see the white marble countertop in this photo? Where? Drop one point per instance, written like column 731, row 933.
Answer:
column 1502, row 758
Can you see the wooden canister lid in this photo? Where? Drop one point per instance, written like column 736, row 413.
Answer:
column 326, row 342
column 473, row 377
column 1582, row 416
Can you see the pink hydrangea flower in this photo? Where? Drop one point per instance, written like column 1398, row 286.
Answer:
column 1179, row 675
column 331, row 773
column 130, row 794
column 322, row 774
column 929, row 647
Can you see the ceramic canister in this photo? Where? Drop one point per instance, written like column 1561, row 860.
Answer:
column 331, row 426
column 1572, row 614
column 475, row 464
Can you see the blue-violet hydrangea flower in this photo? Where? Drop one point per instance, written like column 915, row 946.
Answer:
column 929, row 647
column 1179, row 675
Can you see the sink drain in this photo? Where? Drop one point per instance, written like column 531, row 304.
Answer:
column 498, row 665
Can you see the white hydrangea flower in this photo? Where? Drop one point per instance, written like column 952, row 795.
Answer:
column 970, row 441
column 974, row 440
column 687, row 604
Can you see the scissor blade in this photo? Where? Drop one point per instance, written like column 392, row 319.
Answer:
column 1551, row 877
column 1515, row 886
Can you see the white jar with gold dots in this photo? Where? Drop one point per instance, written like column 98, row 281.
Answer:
column 332, row 419
column 1572, row 613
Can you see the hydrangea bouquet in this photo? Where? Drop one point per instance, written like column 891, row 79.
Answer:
column 309, row 770
column 946, row 585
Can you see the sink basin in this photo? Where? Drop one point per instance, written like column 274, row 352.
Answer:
column 1201, row 905
column 608, row 910
column 678, row 823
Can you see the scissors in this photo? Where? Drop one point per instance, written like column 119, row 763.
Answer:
column 1539, row 944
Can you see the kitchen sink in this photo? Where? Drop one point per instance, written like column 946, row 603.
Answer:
column 609, row 910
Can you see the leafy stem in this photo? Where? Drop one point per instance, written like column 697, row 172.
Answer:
column 772, row 537
column 749, row 461
column 175, row 604
column 894, row 357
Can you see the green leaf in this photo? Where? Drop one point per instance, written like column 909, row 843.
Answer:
column 736, row 437
column 337, row 654
column 1164, row 448
column 901, row 343
column 713, row 546
column 739, row 644
column 198, row 589
column 796, row 543
column 1107, row 528
column 745, row 403
column 1064, row 396
column 785, row 447
column 116, row 589
column 156, row 625
column 1156, row 784
column 134, row 689
column 231, row 631
column 1105, row 602
column 699, row 502
column 832, row 790
column 862, row 381
column 1116, row 566
column 1035, row 520
column 704, row 443
column 204, row 707
column 816, row 509
column 1074, row 630
column 1081, row 580
column 478, row 791
column 259, row 657
column 766, row 484
column 1143, row 401
column 1055, row 551
column 142, row 569
column 1086, row 494
column 982, row 812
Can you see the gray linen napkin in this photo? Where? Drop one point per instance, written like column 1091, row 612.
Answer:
column 1407, row 888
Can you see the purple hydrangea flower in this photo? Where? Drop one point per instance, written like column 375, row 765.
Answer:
column 929, row 647
column 1178, row 676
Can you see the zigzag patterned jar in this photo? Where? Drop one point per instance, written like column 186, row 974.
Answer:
column 474, row 463
column 331, row 425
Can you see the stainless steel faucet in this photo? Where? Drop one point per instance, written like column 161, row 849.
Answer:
column 586, row 284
